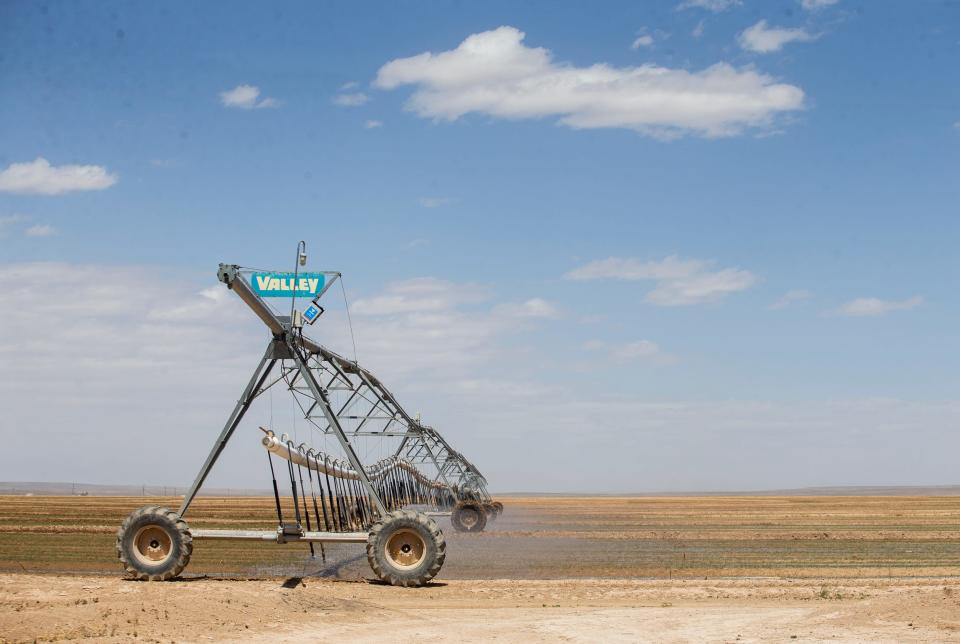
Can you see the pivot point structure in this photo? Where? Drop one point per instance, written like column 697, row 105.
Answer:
column 391, row 504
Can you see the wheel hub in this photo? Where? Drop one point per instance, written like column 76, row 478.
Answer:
column 405, row 549
column 152, row 545
column 469, row 517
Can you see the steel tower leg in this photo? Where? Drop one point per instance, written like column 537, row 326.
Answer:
column 253, row 387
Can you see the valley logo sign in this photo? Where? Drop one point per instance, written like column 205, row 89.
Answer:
column 286, row 285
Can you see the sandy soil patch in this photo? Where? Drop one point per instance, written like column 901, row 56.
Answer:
column 111, row 609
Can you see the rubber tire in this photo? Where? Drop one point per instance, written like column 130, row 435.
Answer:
column 490, row 511
column 498, row 507
column 384, row 528
column 181, row 543
column 456, row 517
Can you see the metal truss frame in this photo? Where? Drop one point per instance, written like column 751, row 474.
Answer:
column 314, row 374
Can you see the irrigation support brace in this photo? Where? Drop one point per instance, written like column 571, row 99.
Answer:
column 258, row 378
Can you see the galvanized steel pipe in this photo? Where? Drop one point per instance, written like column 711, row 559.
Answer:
column 320, row 462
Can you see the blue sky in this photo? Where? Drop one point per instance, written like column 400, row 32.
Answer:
column 687, row 235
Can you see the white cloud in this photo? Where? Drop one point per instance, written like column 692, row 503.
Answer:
column 494, row 73
column 40, row 230
column 539, row 308
column 678, row 281
column 435, row 202
column 416, row 243
column 436, row 330
column 355, row 99
column 631, row 268
column 207, row 303
column 646, row 40
column 109, row 342
column 246, row 97
column 813, row 5
column 40, row 178
column 871, row 306
column 698, row 30
column 757, row 441
column 106, row 343
column 533, row 308
column 349, row 85
column 592, row 318
column 8, row 221
column 639, row 350
column 420, row 295
column 428, row 345
column 716, row 6
column 37, row 230
column 371, row 124
column 791, row 297
column 763, row 39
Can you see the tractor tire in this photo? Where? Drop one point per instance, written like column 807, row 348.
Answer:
column 406, row 548
column 498, row 507
column 154, row 544
column 468, row 516
column 490, row 511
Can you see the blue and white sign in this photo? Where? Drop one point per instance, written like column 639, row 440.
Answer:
column 311, row 313
column 286, row 285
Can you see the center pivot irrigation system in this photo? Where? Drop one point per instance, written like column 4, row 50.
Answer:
column 389, row 504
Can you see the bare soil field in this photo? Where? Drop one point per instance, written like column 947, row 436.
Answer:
column 540, row 538
column 110, row 609
column 574, row 568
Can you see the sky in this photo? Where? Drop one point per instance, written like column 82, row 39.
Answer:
column 627, row 247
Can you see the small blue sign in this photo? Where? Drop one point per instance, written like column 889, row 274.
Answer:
column 311, row 313
column 286, row 285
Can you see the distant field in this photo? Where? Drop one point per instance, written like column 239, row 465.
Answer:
column 542, row 537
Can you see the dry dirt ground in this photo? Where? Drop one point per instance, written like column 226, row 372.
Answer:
column 110, row 609
column 551, row 568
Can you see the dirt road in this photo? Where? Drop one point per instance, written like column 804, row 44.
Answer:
column 110, row 609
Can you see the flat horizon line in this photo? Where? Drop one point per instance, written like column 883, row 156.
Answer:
column 62, row 488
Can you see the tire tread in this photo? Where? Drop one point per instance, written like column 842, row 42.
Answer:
column 184, row 539
column 374, row 547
